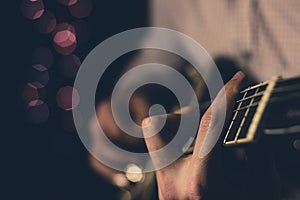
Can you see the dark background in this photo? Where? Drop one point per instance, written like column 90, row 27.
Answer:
column 44, row 161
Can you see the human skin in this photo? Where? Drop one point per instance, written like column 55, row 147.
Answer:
column 203, row 178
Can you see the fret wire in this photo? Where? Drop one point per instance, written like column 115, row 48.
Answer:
column 245, row 107
column 252, row 96
column 255, row 86
column 258, row 112
column 233, row 120
column 244, row 118
column 275, row 91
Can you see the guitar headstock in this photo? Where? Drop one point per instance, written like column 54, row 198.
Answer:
column 260, row 107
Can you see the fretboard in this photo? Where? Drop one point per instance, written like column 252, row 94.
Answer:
column 271, row 107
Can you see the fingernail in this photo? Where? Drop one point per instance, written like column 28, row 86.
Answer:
column 238, row 76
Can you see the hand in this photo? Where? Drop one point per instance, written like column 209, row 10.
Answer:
column 139, row 109
column 196, row 177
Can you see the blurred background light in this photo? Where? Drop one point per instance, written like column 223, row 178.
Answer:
column 120, row 180
column 41, row 59
column 64, row 38
column 134, row 173
column 296, row 144
column 69, row 65
column 39, row 78
column 83, row 31
column 37, row 112
column 29, row 93
column 67, row 2
column 81, row 9
column 64, row 98
column 46, row 23
column 32, row 9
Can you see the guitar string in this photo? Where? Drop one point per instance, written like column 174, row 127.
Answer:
column 267, row 82
column 275, row 91
column 244, row 118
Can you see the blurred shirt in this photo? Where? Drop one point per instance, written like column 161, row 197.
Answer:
column 263, row 36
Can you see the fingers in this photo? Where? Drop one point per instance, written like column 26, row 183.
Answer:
column 211, row 125
column 159, row 130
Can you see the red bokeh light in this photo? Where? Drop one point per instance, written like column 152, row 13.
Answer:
column 32, row 9
column 35, row 102
column 81, row 9
column 65, row 100
column 64, row 39
column 39, row 78
column 29, row 93
column 46, row 23
column 37, row 112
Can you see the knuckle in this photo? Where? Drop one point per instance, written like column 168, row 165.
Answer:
column 208, row 120
column 232, row 87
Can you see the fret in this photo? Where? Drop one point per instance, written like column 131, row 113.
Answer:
column 246, row 107
column 259, row 112
column 244, row 118
column 276, row 90
column 260, row 85
column 277, row 100
column 246, row 131
column 252, row 96
column 234, row 120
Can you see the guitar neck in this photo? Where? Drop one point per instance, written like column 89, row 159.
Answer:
column 271, row 107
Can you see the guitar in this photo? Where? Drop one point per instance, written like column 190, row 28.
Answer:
column 268, row 108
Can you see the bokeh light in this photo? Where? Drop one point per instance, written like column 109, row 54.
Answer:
column 134, row 173
column 32, row 9
column 46, row 23
column 81, row 9
column 65, row 100
column 83, row 31
column 67, row 2
column 37, row 112
column 64, row 39
column 296, row 144
column 29, row 93
column 41, row 59
column 69, row 65
column 39, row 78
